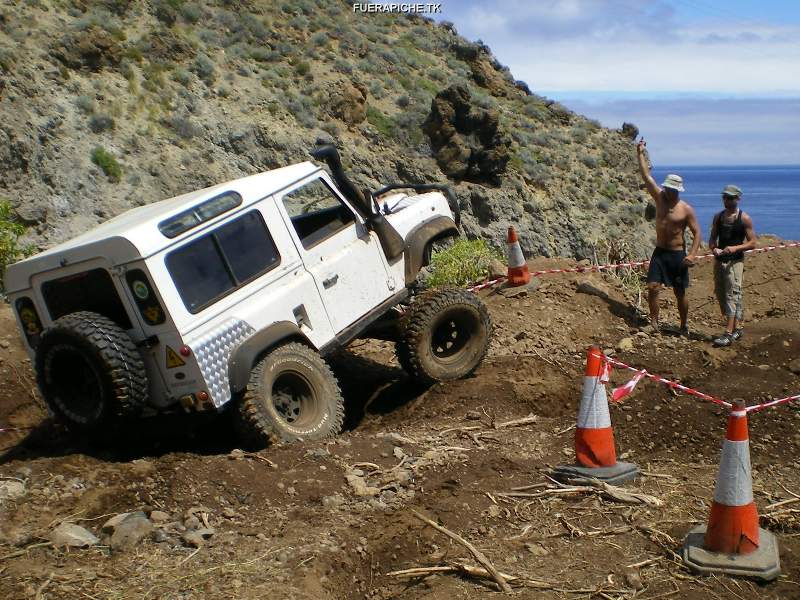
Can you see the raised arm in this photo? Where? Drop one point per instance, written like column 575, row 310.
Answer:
column 644, row 169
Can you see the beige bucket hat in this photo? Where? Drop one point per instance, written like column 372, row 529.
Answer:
column 674, row 182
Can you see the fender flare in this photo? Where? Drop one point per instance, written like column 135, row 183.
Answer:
column 246, row 354
column 418, row 239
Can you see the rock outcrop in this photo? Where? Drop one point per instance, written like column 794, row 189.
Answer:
column 467, row 141
column 92, row 49
column 349, row 103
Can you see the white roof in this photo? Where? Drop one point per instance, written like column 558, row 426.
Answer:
column 140, row 225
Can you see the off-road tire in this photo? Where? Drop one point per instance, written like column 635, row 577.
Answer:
column 90, row 372
column 292, row 395
column 445, row 335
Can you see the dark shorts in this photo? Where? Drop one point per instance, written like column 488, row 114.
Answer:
column 666, row 266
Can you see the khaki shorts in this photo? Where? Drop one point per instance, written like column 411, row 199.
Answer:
column 728, row 287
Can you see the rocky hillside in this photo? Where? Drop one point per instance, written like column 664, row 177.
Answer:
column 111, row 104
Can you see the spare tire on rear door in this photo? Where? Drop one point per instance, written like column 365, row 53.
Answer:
column 89, row 371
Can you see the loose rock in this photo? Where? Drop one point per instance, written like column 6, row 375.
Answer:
column 74, row 536
column 127, row 530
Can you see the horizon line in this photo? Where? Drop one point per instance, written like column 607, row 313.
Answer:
column 728, row 166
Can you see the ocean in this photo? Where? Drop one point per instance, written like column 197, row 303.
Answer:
column 771, row 195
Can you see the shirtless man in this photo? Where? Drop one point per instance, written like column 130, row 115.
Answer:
column 669, row 264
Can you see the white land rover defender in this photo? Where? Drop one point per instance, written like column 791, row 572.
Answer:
column 232, row 296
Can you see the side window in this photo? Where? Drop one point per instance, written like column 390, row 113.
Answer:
column 91, row 290
column 316, row 212
column 212, row 266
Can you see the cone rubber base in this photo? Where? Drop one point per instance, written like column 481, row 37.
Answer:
column 763, row 565
column 621, row 472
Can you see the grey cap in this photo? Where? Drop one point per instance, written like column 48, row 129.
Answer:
column 732, row 190
column 674, row 182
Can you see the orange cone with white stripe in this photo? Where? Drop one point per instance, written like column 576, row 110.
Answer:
column 595, row 451
column 732, row 542
column 733, row 523
column 594, row 436
column 518, row 273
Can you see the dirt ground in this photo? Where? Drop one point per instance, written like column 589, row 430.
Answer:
column 332, row 520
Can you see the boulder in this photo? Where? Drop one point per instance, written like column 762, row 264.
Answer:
column 93, row 49
column 164, row 45
column 467, row 141
column 74, row 536
column 630, row 131
column 349, row 103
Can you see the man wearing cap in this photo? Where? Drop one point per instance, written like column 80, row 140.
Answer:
column 669, row 265
column 731, row 234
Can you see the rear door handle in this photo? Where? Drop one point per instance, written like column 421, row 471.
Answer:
column 330, row 281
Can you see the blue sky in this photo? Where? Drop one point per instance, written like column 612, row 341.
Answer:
column 706, row 81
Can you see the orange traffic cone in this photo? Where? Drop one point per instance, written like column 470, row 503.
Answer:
column 732, row 542
column 594, row 437
column 733, row 523
column 518, row 273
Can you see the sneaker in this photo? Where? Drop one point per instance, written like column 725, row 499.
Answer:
column 684, row 332
column 737, row 334
column 726, row 339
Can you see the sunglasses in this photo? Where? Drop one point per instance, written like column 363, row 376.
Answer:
column 729, row 197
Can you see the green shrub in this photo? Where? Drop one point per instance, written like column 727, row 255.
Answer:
column 133, row 53
column 85, row 104
column 7, row 59
column 204, row 69
column 192, row 12
column 10, row 230
column 376, row 89
column 154, row 77
column 319, row 39
column 579, row 134
column 462, row 263
column 182, row 76
column 106, row 161
column 609, row 190
column 100, row 123
column 302, row 68
column 342, row 65
column 383, row 123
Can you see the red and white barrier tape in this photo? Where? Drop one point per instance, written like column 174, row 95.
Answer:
column 597, row 268
column 624, row 390
column 771, row 403
column 6, row 429
column 486, row 284
column 668, row 382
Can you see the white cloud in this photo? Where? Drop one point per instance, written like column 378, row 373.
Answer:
column 706, row 131
column 631, row 45
column 626, row 53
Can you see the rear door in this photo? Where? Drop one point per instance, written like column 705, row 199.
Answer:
column 342, row 255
